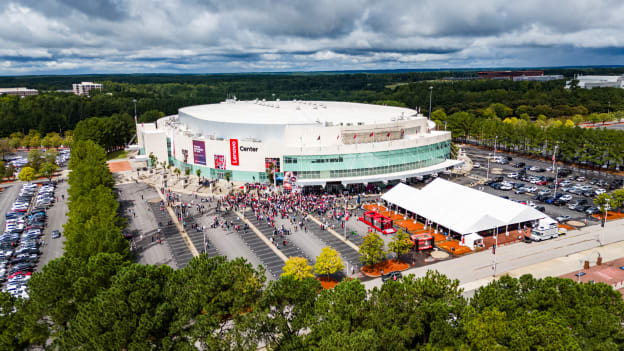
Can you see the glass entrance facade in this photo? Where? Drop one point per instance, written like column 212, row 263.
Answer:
column 369, row 163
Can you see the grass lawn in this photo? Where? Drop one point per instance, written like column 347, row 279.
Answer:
column 117, row 155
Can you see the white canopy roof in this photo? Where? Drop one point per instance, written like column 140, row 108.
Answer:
column 460, row 208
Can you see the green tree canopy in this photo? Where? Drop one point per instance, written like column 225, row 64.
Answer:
column 372, row 249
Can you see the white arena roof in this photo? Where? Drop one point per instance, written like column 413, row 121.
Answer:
column 296, row 112
column 460, row 208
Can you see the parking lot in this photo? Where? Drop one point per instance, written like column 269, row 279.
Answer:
column 33, row 216
column 585, row 183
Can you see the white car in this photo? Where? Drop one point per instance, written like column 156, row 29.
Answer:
column 562, row 219
column 505, row 187
column 531, row 189
column 513, row 175
column 476, row 165
column 600, row 191
column 566, row 197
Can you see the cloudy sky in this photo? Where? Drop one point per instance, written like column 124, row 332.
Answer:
column 126, row 36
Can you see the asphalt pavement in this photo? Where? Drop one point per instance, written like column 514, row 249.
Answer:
column 56, row 219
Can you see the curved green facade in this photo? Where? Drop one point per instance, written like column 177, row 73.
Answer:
column 369, row 163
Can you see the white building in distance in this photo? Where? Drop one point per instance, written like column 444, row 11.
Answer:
column 84, row 87
column 18, row 91
column 545, row 78
column 589, row 82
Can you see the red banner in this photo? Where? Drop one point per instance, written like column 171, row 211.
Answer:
column 234, row 152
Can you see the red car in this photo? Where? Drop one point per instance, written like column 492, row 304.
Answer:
column 542, row 182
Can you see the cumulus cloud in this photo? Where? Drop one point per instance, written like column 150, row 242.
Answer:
column 89, row 36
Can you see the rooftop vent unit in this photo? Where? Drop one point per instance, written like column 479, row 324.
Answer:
column 360, row 123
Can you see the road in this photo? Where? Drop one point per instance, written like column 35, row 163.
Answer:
column 7, row 197
column 478, row 266
column 57, row 217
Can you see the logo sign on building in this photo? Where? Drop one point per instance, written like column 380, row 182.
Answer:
column 234, row 152
column 219, row 161
column 199, row 152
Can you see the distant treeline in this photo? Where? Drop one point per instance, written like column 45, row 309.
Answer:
column 161, row 94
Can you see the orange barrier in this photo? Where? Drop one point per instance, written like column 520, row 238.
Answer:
column 610, row 215
column 453, row 247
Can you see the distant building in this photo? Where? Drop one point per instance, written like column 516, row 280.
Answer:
column 508, row 75
column 545, row 78
column 18, row 91
column 84, row 87
column 589, row 82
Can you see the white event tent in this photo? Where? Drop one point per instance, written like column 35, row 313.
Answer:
column 461, row 209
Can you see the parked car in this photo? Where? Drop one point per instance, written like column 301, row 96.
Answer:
column 56, row 234
column 394, row 275
column 476, row 165
column 592, row 210
column 562, row 219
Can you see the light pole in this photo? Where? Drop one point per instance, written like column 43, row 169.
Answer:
column 430, row 95
column 554, row 157
column 556, row 180
column 487, row 175
column 495, row 140
column 135, row 113
column 345, row 219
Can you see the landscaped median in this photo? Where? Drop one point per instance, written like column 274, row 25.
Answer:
column 386, row 266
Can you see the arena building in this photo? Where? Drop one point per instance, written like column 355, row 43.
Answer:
column 320, row 143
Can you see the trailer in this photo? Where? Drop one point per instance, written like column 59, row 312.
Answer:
column 422, row 241
column 378, row 222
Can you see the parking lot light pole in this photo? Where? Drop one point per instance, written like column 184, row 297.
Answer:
column 487, row 175
column 495, row 140
column 556, row 178
column 554, row 157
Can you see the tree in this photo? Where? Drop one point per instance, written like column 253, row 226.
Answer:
column 372, row 249
column 432, row 317
column 569, row 123
column 177, row 171
column 603, row 201
column 63, row 285
column 133, row 313
column 11, row 323
column 284, row 314
column 27, row 174
column 15, row 140
column 328, row 262
column 150, row 116
column 401, row 244
column 35, row 159
column 198, row 173
column 617, row 196
column 187, row 171
column 153, row 159
column 343, row 319
column 210, row 294
column 5, row 147
column 48, row 169
column 298, row 268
